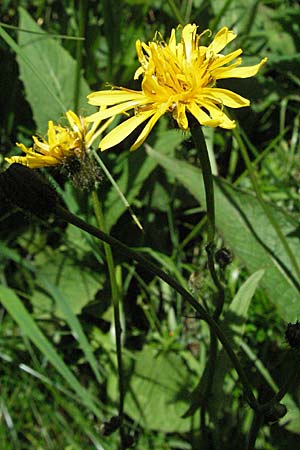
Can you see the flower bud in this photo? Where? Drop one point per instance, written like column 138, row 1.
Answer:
column 110, row 426
column 278, row 411
column 292, row 334
column 223, row 257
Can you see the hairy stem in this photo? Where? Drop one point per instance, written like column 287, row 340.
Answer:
column 155, row 270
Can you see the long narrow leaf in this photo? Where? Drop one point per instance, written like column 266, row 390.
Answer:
column 74, row 325
column 29, row 328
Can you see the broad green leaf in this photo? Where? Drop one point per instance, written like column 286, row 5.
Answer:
column 49, row 74
column 248, row 233
column 30, row 329
column 76, row 282
column 158, row 391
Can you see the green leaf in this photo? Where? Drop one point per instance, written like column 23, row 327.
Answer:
column 48, row 73
column 77, row 282
column 74, row 325
column 234, row 327
column 158, row 394
column 234, row 14
column 30, row 329
column 256, row 24
column 9, row 253
column 248, row 233
column 240, row 305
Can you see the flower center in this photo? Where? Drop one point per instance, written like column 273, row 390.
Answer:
column 172, row 77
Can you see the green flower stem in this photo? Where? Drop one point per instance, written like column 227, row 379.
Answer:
column 199, row 141
column 115, row 301
column 151, row 267
column 254, row 430
column 201, row 147
column 265, row 206
column 213, row 352
column 270, row 406
column 200, row 144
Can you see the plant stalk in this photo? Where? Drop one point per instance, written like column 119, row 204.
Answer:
column 115, row 302
column 155, row 270
column 255, row 427
column 200, row 144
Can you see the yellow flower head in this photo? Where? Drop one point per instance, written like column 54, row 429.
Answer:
column 180, row 78
column 62, row 143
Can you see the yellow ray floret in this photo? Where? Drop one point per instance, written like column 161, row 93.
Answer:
column 179, row 78
column 61, row 143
